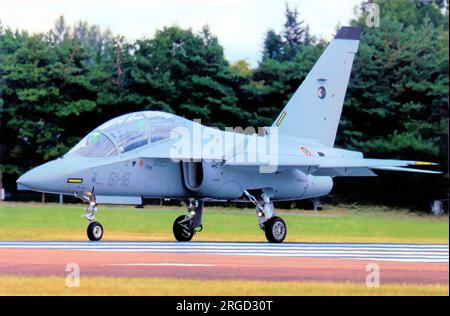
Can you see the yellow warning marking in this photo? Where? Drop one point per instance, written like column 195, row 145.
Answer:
column 423, row 163
column 75, row 180
column 281, row 118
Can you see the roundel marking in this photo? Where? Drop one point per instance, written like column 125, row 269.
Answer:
column 322, row 92
column 306, row 151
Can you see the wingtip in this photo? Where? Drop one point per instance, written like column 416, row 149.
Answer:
column 349, row 33
column 426, row 163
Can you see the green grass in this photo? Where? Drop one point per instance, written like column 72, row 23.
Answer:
column 33, row 221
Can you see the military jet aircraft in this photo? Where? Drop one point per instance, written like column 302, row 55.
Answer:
column 153, row 154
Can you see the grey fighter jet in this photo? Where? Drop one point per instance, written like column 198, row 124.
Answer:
column 154, row 154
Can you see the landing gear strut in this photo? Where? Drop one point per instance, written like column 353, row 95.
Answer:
column 273, row 226
column 94, row 229
column 186, row 226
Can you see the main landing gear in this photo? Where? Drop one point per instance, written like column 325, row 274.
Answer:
column 186, row 226
column 273, row 226
column 94, row 229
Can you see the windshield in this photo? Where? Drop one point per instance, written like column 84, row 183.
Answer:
column 95, row 145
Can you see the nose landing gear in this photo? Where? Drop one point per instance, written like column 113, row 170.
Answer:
column 94, row 229
column 186, row 226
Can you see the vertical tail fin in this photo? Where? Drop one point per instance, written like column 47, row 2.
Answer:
column 315, row 109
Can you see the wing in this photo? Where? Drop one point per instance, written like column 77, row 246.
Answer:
column 320, row 166
column 344, row 167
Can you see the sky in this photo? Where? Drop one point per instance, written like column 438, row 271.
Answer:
column 240, row 25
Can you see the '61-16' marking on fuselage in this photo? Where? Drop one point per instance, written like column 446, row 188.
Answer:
column 119, row 179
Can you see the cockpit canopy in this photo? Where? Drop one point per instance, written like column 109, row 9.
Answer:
column 128, row 132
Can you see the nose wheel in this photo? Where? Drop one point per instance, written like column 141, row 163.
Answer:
column 95, row 231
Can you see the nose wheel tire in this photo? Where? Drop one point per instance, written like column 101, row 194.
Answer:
column 182, row 228
column 95, row 231
column 275, row 229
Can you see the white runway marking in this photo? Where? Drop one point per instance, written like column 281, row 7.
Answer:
column 364, row 251
column 163, row 264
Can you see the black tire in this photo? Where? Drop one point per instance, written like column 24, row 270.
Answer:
column 180, row 232
column 95, row 231
column 275, row 229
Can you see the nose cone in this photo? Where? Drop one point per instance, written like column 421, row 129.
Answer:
column 46, row 178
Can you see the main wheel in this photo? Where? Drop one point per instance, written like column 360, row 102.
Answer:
column 182, row 229
column 95, row 231
column 275, row 229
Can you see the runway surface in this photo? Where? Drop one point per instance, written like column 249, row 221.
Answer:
column 411, row 263
column 372, row 252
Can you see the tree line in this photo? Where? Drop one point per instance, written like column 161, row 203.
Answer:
column 57, row 86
